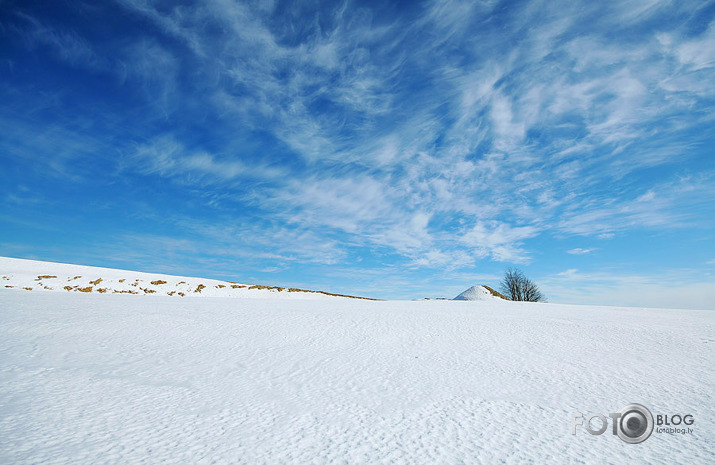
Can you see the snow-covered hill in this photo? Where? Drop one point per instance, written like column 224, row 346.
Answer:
column 32, row 275
column 478, row 293
column 89, row 378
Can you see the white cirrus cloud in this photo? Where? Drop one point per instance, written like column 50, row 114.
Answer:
column 579, row 251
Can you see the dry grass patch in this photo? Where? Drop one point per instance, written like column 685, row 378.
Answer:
column 85, row 289
column 200, row 287
column 294, row 289
column 96, row 281
column 347, row 296
column 102, row 290
column 67, row 288
column 27, row 288
column 158, row 281
column 45, row 276
column 495, row 293
column 182, row 294
column 122, row 280
column 171, row 293
column 270, row 288
column 237, row 286
column 220, row 286
column 126, row 292
column 72, row 279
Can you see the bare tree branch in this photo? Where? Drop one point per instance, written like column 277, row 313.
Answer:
column 516, row 286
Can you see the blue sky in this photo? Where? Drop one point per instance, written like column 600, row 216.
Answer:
column 389, row 149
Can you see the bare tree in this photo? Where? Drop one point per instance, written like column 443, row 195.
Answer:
column 516, row 286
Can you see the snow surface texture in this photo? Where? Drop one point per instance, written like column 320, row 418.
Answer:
column 477, row 293
column 31, row 275
column 107, row 378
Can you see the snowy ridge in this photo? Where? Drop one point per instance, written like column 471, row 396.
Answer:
column 33, row 275
column 477, row 293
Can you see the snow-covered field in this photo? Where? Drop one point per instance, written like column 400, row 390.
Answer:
column 88, row 378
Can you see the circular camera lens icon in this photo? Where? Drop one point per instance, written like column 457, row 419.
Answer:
column 635, row 424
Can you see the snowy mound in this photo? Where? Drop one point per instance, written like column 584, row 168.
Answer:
column 477, row 293
column 32, row 275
